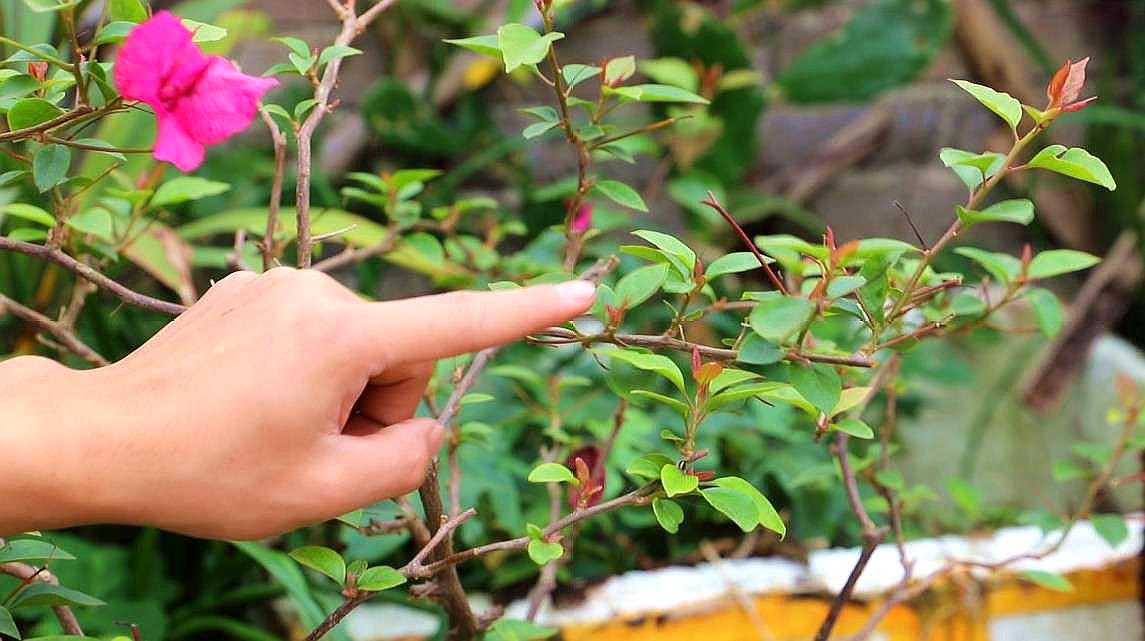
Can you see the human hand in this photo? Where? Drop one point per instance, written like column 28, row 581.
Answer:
column 276, row 401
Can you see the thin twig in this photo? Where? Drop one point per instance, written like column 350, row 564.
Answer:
column 771, row 275
column 28, row 573
column 278, row 139
column 83, row 270
column 352, row 27
column 562, row 335
column 58, row 331
column 913, row 228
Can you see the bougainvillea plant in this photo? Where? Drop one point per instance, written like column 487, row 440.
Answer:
column 619, row 405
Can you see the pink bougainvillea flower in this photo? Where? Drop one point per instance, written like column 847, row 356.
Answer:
column 198, row 99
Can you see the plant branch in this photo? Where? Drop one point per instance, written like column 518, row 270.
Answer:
column 91, row 274
column 352, row 26
column 59, row 331
column 278, row 139
column 27, row 574
column 771, row 275
column 565, row 336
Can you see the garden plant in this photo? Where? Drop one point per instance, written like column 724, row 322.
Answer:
column 708, row 390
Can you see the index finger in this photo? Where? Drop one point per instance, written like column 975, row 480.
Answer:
column 443, row 325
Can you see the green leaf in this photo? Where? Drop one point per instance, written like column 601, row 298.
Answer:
column 885, row 44
column 303, row 107
column 1074, row 162
column 24, row 550
column 621, row 194
column 819, row 383
column 323, row 560
column 538, row 129
column 30, row 112
column 113, row 32
column 733, row 263
column 733, row 504
column 1019, row 210
column 669, row 514
column 640, row 284
column 186, row 188
column 552, row 473
column 766, row 515
column 7, row 625
column 854, row 427
column 658, row 363
column 671, row 71
column 50, row 166
column 757, row 350
column 1003, row 267
column 648, row 466
column 484, row 45
column 45, row 6
column 1064, row 471
column 541, row 552
column 336, row 52
column 619, row 69
column 1048, row 580
column 39, row 594
column 1047, row 308
column 521, row 45
column 842, row 285
column 95, row 221
column 778, row 317
column 128, row 10
column 380, row 578
column 287, row 574
column 574, row 74
column 676, row 482
column 30, row 213
column 656, row 93
column 1056, row 262
column 474, row 398
column 967, row 166
column 679, row 406
column 518, row 630
column 17, row 86
column 671, row 246
column 1006, row 106
column 1110, row 527
column 203, row 32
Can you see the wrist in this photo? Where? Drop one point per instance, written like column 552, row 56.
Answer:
column 51, row 475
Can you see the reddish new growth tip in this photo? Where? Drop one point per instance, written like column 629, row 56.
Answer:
column 1065, row 87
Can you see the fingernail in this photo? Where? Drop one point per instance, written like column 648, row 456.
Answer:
column 578, row 291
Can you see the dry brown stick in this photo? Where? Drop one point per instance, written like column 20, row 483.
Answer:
column 89, row 273
column 352, row 27
column 278, row 139
column 27, row 573
column 58, row 331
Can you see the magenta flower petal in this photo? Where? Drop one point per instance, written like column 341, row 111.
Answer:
column 222, row 102
column 152, row 51
column 175, row 145
column 198, row 99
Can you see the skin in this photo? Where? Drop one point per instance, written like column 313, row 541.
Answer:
column 253, row 413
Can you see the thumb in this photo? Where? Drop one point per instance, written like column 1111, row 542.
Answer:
column 385, row 462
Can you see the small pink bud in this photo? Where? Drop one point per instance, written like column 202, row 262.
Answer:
column 38, row 70
column 582, row 220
